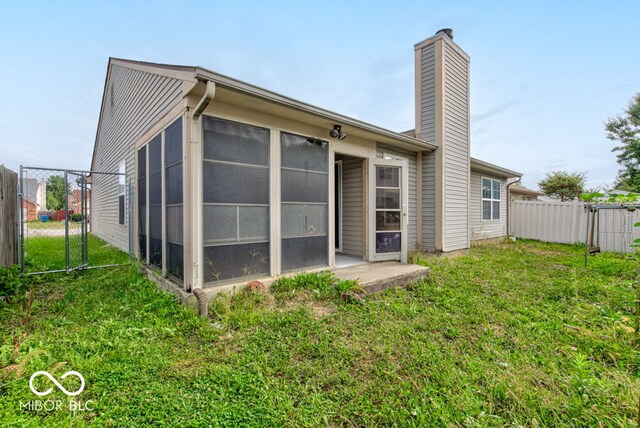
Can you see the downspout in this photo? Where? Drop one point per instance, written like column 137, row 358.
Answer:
column 509, row 202
column 196, row 229
column 203, row 305
column 209, row 93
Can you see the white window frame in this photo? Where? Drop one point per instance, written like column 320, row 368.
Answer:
column 122, row 192
column 492, row 199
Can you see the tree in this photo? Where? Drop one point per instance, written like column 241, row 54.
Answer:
column 625, row 130
column 562, row 185
column 55, row 192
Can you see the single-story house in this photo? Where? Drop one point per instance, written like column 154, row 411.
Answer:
column 521, row 193
column 233, row 181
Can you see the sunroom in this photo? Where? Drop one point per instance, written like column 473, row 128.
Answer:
column 237, row 183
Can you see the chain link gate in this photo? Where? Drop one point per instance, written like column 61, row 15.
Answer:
column 76, row 238
column 56, row 220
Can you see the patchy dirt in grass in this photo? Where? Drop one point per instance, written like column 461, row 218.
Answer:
column 321, row 311
column 495, row 329
column 189, row 365
column 48, row 295
column 318, row 308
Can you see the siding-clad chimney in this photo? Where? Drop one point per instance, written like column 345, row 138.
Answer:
column 442, row 118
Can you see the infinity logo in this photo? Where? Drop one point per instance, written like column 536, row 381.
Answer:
column 60, row 387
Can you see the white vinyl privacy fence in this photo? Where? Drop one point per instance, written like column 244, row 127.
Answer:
column 566, row 222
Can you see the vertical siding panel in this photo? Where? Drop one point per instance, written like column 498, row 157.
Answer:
column 429, row 201
column 428, row 94
column 456, row 142
column 427, row 118
column 352, row 175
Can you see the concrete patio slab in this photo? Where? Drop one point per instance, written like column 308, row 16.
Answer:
column 376, row 277
column 373, row 277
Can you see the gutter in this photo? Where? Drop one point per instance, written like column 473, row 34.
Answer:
column 246, row 88
column 509, row 201
column 486, row 167
column 209, row 93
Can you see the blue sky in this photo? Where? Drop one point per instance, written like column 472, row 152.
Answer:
column 545, row 75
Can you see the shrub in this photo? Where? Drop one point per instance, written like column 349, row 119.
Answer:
column 76, row 217
column 10, row 280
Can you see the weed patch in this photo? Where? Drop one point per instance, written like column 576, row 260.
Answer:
column 323, row 285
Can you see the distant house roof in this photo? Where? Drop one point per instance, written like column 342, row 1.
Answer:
column 521, row 190
column 618, row 192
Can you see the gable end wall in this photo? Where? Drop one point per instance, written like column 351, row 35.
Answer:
column 134, row 101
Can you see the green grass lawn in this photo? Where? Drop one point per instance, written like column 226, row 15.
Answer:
column 48, row 253
column 515, row 334
column 44, row 225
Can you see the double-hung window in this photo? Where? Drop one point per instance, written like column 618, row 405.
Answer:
column 490, row 199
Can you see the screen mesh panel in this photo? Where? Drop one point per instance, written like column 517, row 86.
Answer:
column 155, row 201
column 304, row 207
column 173, row 198
column 236, row 197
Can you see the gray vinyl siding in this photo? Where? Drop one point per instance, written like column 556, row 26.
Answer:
column 429, row 201
column 133, row 102
column 413, row 200
column 428, row 94
column 352, row 227
column 456, row 154
column 486, row 229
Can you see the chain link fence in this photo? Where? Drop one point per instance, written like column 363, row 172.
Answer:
column 57, row 218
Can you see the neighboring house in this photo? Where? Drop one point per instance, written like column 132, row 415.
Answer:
column 521, row 193
column 75, row 201
column 29, row 210
column 235, row 181
column 34, row 198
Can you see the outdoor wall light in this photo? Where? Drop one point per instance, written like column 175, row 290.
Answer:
column 336, row 132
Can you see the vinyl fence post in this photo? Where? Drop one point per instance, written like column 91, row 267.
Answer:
column 586, row 236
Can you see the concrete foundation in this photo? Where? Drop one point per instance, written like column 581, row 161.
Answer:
column 373, row 277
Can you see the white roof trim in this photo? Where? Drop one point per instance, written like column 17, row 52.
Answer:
column 486, row 167
column 229, row 82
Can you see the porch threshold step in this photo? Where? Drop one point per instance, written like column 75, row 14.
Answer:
column 375, row 277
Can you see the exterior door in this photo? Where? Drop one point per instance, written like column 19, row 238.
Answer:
column 388, row 205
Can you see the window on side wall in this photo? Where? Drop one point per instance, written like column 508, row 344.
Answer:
column 121, row 193
column 490, row 199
